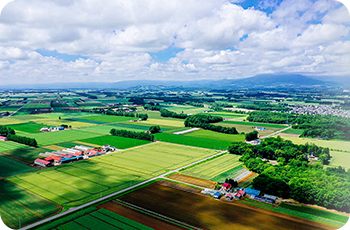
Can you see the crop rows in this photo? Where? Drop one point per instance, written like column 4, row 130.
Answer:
column 10, row 166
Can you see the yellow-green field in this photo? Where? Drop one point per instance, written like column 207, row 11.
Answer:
column 340, row 159
column 163, row 122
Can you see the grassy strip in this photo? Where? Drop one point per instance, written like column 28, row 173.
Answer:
column 255, row 124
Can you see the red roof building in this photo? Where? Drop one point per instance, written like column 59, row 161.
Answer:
column 226, row 186
column 56, row 158
column 2, row 138
column 42, row 162
column 240, row 193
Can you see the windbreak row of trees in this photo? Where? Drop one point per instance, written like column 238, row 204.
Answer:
column 143, row 116
column 165, row 112
column 294, row 177
column 11, row 135
column 324, row 126
column 265, row 107
column 132, row 134
column 203, row 121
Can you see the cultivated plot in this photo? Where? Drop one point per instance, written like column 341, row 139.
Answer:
column 215, row 167
column 216, row 136
column 18, row 205
column 340, row 159
column 10, row 166
column 30, row 127
column 156, row 158
column 116, row 141
column 171, row 124
column 10, row 121
column 107, row 118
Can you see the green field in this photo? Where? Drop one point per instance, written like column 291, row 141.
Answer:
column 103, row 219
column 27, row 127
column 27, row 206
column 193, row 141
column 77, row 183
column 213, row 168
column 107, row 118
column 164, row 123
column 51, row 138
column 10, row 166
column 116, row 141
column 10, row 145
column 340, row 159
column 10, row 121
column 127, row 126
column 226, row 115
column 294, row 131
column 187, row 109
column 332, row 144
column 27, row 154
column 255, row 124
column 215, row 135
column 156, row 158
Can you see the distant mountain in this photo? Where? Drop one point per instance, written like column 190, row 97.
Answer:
column 258, row 81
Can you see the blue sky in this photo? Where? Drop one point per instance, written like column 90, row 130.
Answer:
column 184, row 40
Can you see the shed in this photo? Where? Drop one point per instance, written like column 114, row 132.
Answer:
column 56, row 158
column 2, row 138
column 229, row 197
column 42, row 162
column 262, row 199
column 217, row 195
column 252, row 191
column 240, row 194
column 226, row 186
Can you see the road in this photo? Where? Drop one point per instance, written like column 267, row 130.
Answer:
column 272, row 134
column 16, row 111
column 117, row 193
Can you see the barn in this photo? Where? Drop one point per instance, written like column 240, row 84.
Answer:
column 262, row 199
column 252, row 191
column 240, row 194
column 226, row 186
column 42, row 162
column 229, row 197
column 2, row 138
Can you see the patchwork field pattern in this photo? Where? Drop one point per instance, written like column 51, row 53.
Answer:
column 27, row 127
column 214, row 168
column 216, row 136
column 17, row 203
column 10, row 121
column 156, row 158
column 107, row 118
column 10, row 145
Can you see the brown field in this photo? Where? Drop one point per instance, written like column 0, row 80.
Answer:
column 194, row 181
column 206, row 213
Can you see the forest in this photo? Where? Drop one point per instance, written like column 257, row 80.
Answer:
column 203, row 121
column 132, row 134
column 294, row 177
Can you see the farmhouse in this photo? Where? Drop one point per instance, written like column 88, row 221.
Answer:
column 226, row 186
column 2, row 138
column 229, row 197
column 42, row 162
column 217, row 195
column 240, row 194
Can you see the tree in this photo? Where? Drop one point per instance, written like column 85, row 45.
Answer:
column 251, row 136
column 155, row 129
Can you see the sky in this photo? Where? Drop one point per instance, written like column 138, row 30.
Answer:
column 51, row 41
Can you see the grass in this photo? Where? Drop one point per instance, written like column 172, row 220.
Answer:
column 214, row 167
column 294, row 131
column 166, row 123
column 255, row 124
column 215, row 135
column 226, row 115
column 59, row 122
column 184, row 108
column 77, row 183
column 10, row 145
column 156, row 158
column 27, row 154
column 193, row 141
column 340, row 159
column 107, row 118
column 116, row 141
column 17, row 203
column 10, row 166
column 332, row 144
column 51, row 138
column 10, row 121
column 27, row 127
column 106, row 128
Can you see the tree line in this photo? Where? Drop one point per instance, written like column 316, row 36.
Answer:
column 11, row 135
column 203, row 121
column 111, row 112
column 165, row 112
column 131, row 134
column 294, row 177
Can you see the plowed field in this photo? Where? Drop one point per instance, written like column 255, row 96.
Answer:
column 193, row 180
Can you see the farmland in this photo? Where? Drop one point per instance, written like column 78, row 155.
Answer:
column 17, row 203
column 156, row 158
column 10, row 166
column 27, row 127
column 193, row 141
column 116, row 141
column 10, row 145
column 106, row 118
column 212, row 169
column 340, row 158
column 62, row 136
column 255, row 124
column 202, row 212
column 164, row 123
column 27, row 154
column 10, row 121
column 215, row 135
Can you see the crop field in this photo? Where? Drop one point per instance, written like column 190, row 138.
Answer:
column 116, row 141
column 249, row 128
column 340, row 158
column 27, row 127
column 37, row 106
column 51, row 138
column 194, row 181
column 79, row 182
column 62, row 115
column 183, row 108
column 331, row 144
column 226, row 115
column 213, row 168
column 107, row 118
column 10, row 121
column 135, row 125
column 206, row 213
column 255, row 124
column 294, row 131
column 27, row 154
column 59, row 122
column 29, row 207
column 156, row 158
column 9, row 166
column 164, row 123
column 10, row 145
column 193, row 141
column 215, row 135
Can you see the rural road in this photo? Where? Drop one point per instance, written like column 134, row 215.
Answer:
column 272, row 134
column 116, row 193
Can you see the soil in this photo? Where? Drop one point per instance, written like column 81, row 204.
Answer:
column 207, row 213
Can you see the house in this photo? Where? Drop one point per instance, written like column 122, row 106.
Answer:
column 226, row 186
column 45, row 129
column 217, row 195
column 240, row 194
column 42, row 162
column 108, row 148
column 229, row 197
column 3, row 138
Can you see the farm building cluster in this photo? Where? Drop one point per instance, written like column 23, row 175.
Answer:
column 79, row 152
column 260, row 128
column 51, row 129
column 231, row 193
